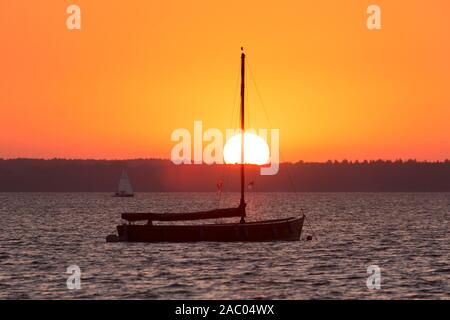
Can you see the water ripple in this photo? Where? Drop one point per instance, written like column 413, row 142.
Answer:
column 407, row 235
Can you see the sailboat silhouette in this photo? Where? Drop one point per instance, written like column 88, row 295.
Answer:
column 267, row 230
column 124, row 189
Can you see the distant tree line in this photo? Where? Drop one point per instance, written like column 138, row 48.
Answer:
column 155, row 175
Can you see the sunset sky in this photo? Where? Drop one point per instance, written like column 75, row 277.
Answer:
column 139, row 69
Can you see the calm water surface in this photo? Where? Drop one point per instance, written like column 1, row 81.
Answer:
column 407, row 235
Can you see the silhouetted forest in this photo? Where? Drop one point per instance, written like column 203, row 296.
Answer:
column 30, row 175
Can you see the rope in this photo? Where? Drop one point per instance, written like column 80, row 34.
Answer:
column 310, row 227
column 288, row 173
column 259, row 94
column 291, row 181
column 234, row 112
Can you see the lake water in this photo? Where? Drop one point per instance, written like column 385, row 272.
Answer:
column 406, row 235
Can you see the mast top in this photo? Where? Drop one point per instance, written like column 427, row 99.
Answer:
column 243, row 54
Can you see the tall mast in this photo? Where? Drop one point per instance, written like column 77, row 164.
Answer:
column 242, row 204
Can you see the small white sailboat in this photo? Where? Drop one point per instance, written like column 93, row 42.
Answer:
column 125, row 189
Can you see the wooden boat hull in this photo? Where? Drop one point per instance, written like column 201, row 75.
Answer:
column 270, row 230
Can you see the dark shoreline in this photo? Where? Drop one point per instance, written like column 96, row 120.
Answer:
column 155, row 175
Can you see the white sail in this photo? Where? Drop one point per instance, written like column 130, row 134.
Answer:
column 124, row 184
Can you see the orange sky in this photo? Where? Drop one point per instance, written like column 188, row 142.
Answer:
column 139, row 69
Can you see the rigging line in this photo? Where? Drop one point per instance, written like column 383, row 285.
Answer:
column 247, row 101
column 259, row 94
column 270, row 124
column 247, row 111
column 225, row 168
column 291, row 180
column 235, row 111
column 310, row 226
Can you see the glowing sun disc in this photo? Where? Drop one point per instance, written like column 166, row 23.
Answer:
column 256, row 150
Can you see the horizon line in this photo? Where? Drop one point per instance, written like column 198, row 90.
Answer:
column 283, row 162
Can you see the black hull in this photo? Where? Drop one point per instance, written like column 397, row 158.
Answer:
column 270, row 230
column 123, row 195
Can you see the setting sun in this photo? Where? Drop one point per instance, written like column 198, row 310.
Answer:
column 256, row 150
